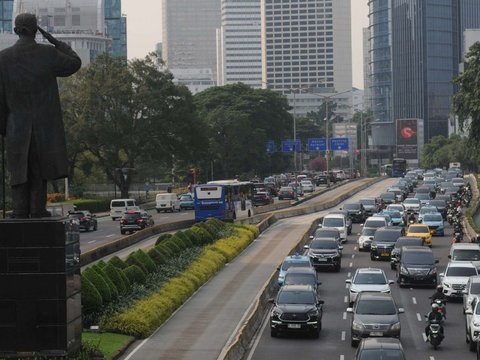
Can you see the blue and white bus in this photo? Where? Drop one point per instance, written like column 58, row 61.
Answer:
column 224, row 200
column 399, row 167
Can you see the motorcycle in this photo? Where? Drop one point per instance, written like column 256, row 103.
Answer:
column 435, row 335
column 458, row 237
column 441, row 306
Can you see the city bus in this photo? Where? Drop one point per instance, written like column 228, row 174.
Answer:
column 223, row 200
column 399, row 167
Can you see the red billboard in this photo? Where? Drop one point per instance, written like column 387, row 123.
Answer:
column 407, row 138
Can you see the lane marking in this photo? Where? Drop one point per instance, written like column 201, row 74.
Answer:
column 343, row 335
column 92, row 241
column 344, row 316
column 419, row 317
column 108, row 236
column 424, row 337
column 353, row 256
column 351, row 264
column 414, row 300
column 257, row 339
column 342, row 357
column 347, row 286
column 355, row 248
column 431, row 357
column 349, row 274
column 345, row 299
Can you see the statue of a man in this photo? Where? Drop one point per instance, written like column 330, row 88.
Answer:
column 30, row 114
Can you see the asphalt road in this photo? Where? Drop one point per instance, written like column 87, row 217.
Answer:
column 206, row 323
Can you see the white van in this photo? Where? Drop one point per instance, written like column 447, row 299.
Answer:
column 119, row 206
column 337, row 221
column 167, row 202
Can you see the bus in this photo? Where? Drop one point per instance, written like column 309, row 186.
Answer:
column 223, row 200
column 399, row 167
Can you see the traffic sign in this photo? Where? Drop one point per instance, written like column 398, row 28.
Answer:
column 289, row 145
column 339, row 144
column 270, row 146
column 317, row 144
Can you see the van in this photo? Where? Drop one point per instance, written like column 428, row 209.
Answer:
column 167, row 202
column 337, row 221
column 60, row 209
column 119, row 206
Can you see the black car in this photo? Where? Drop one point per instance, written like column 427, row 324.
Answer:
column 384, row 242
column 380, row 348
column 388, row 198
column 132, row 221
column 441, row 206
column 403, row 241
column 302, row 276
column 356, row 211
column 325, row 253
column 296, row 309
column 370, row 205
column 86, row 220
column 417, row 267
column 331, row 233
column 287, row 192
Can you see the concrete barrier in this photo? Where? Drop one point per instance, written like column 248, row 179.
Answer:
column 468, row 223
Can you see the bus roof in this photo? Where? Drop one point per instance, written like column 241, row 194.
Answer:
column 229, row 182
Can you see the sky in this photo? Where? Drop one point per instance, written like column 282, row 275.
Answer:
column 144, row 30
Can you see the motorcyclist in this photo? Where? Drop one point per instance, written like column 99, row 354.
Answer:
column 433, row 316
column 439, row 294
column 411, row 217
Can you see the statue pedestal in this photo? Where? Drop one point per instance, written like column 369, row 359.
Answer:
column 40, row 299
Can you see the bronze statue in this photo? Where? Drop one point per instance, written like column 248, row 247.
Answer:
column 30, row 114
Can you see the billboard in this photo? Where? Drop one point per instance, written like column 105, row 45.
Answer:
column 407, row 138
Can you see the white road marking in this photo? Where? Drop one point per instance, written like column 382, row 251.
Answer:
column 353, row 256
column 342, row 357
column 92, row 241
column 344, row 316
column 431, row 357
column 343, row 335
column 349, row 274
column 424, row 337
column 347, row 286
column 345, row 299
column 355, row 248
column 419, row 317
column 414, row 300
column 351, row 264
column 110, row 235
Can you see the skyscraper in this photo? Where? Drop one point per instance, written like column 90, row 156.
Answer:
column 6, row 13
column 116, row 27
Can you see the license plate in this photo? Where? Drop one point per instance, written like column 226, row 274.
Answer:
column 294, row 326
column 384, row 254
column 321, row 259
column 376, row 333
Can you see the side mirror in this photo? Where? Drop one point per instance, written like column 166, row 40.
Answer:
column 320, row 302
column 311, row 237
column 441, row 274
column 271, row 301
column 348, row 281
column 340, row 247
column 436, row 261
column 340, row 209
column 320, row 225
column 319, row 283
column 468, row 312
column 449, row 256
column 306, row 247
column 401, row 310
column 391, row 282
column 361, row 225
column 278, row 268
column 359, row 234
column 350, row 310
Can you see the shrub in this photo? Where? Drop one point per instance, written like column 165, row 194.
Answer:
column 115, row 276
column 164, row 250
column 99, row 283
column 208, row 229
column 214, row 225
column 117, row 262
column 135, row 260
column 202, row 234
column 91, row 298
column 157, row 256
column 111, row 285
column 135, row 274
column 145, row 260
column 174, row 247
column 94, row 205
column 55, row 197
column 101, row 263
column 163, row 237
column 193, row 237
column 185, row 238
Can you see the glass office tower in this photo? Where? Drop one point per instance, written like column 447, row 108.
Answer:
column 116, row 27
column 6, row 13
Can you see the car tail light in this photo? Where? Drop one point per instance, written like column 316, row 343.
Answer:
column 122, row 221
column 140, row 221
column 83, row 218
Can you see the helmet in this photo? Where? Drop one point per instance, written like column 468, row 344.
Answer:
column 440, row 288
column 435, row 307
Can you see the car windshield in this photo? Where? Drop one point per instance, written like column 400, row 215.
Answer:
column 333, row 233
column 333, row 222
column 395, row 207
column 417, row 258
column 375, row 307
column 369, row 231
column 388, row 195
column 394, row 214
column 386, row 236
column 428, row 210
column 323, row 244
column 433, row 217
column 466, row 254
column 185, row 198
column 286, row 188
column 406, row 242
column 384, row 354
column 418, row 229
column 300, row 279
column 351, row 206
column 422, row 196
column 375, row 223
column 296, row 297
column 475, row 288
column 460, row 271
column 132, row 216
column 411, row 201
column 437, row 203
column 367, row 202
column 298, row 263
column 369, row 278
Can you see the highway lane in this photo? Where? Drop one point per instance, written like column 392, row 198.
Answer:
column 334, row 341
column 205, row 324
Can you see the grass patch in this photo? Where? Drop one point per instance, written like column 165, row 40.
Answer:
column 108, row 343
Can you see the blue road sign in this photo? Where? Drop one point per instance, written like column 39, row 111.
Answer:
column 317, row 144
column 338, row 144
column 270, row 146
column 289, row 145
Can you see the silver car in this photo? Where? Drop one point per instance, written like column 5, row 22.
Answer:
column 368, row 279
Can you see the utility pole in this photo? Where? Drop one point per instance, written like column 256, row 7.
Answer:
column 294, row 132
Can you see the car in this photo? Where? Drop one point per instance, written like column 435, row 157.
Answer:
column 370, row 205
column 396, row 217
column 186, row 202
column 384, row 242
column 464, row 252
column 472, row 324
column 325, row 253
column 455, row 278
column 426, row 210
column 417, row 266
column 287, row 192
column 365, row 238
column 403, row 241
column 292, row 261
column 336, row 221
column 367, row 279
column 132, row 221
column 424, row 198
column 296, row 309
column 400, row 194
column 327, row 233
column 302, row 276
column 374, row 315
column 441, row 206
column 147, row 218
column 356, row 211
column 167, row 202
column 472, row 290
column 385, row 216
column 435, row 223
column 261, row 198
column 375, row 222
column 388, row 198
column 420, row 230
column 347, row 217
column 380, row 348
column 411, row 205
column 119, row 206
column 297, row 187
column 86, row 220
column 307, row 186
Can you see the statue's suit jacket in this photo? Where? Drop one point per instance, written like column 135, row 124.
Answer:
column 30, row 110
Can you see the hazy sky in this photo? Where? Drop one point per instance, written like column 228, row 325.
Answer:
column 144, row 30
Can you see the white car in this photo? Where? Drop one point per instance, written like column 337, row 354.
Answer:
column 337, row 221
column 472, row 324
column 366, row 237
column 307, row 186
column 412, row 205
column 455, row 278
column 472, row 291
column 367, row 279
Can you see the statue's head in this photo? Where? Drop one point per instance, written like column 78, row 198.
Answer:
column 26, row 25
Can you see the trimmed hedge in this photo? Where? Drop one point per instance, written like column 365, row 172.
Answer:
column 117, row 262
column 145, row 260
column 157, row 256
column 135, row 260
column 115, row 276
column 111, row 285
column 135, row 274
column 93, row 205
column 163, row 237
column 91, row 298
column 164, row 250
column 99, row 283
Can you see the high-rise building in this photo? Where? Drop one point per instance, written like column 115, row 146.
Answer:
column 367, row 97
column 6, row 13
column 189, row 34
column 116, row 27
column 306, row 52
column 240, row 57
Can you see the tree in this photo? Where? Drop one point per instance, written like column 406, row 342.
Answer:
column 240, row 120
column 466, row 102
column 128, row 114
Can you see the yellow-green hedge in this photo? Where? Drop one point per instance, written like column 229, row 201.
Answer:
column 148, row 314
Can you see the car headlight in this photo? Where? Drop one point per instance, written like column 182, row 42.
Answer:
column 276, row 313
column 476, row 323
column 387, row 291
column 357, row 326
column 446, row 285
column 403, row 270
column 395, row 327
column 313, row 312
column 374, row 247
column 432, row 271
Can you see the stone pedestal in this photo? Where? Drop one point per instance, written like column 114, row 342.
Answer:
column 40, row 299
